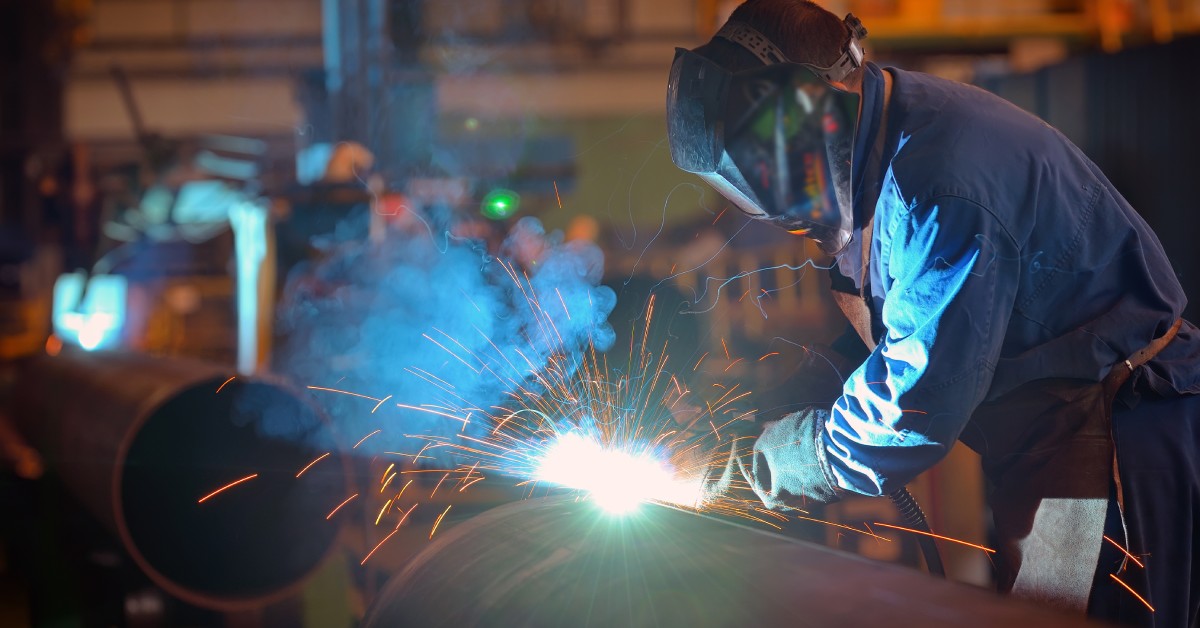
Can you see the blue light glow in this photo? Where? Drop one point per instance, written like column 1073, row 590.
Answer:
column 249, row 222
column 90, row 319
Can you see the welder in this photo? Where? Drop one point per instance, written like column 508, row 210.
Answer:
column 1010, row 297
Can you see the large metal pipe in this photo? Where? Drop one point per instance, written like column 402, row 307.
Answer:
column 140, row 440
column 563, row 562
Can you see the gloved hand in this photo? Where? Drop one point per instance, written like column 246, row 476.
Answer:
column 781, row 462
column 725, row 474
column 707, row 451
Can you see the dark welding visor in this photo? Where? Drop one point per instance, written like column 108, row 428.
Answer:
column 776, row 140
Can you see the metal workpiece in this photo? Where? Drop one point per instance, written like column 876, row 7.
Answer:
column 140, row 441
column 561, row 561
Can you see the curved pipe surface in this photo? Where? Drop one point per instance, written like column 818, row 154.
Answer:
column 140, row 440
column 563, row 562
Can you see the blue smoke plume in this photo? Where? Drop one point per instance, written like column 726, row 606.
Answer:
column 440, row 325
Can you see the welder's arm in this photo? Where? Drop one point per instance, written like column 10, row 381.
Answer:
column 952, row 279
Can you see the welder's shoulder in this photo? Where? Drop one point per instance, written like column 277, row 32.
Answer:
column 959, row 140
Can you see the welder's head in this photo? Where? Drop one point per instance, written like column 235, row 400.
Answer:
column 767, row 112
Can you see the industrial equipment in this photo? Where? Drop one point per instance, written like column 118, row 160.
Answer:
column 142, row 442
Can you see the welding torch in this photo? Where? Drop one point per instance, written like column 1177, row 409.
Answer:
column 732, row 459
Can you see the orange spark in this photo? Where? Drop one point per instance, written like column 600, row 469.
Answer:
column 767, row 355
column 438, row 485
column 937, row 536
column 419, row 409
column 405, row 516
column 564, row 303
column 386, row 471
column 720, row 214
column 380, row 403
column 1131, row 556
column 731, row 364
column 845, row 527
column 556, row 196
column 452, row 354
column 387, row 506
column 1130, row 589
column 227, row 486
column 222, row 386
column 339, row 507
column 53, row 345
column 726, row 348
column 309, row 465
column 465, row 486
column 439, row 521
column 470, row 472
column 372, row 552
column 364, row 438
column 777, row 515
column 697, row 367
column 678, row 389
column 342, row 392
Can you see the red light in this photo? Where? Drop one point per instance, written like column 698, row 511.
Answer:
column 831, row 125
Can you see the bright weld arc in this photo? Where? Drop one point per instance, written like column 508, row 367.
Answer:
column 526, row 431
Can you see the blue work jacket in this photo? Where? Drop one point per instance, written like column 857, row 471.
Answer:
column 1000, row 256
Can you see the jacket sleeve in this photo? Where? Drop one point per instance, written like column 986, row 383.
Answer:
column 952, row 273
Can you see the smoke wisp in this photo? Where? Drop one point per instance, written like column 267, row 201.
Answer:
column 430, row 336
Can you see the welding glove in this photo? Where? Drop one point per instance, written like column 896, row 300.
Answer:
column 785, row 466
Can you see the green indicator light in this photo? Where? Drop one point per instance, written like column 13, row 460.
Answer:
column 500, row 204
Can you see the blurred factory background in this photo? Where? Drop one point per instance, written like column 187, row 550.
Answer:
column 193, row 190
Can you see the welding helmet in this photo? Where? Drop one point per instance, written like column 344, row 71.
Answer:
column 775, row 140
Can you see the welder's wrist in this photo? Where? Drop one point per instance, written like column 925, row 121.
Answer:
column 788, row 465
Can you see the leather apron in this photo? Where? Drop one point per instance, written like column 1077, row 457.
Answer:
column 1050, row 460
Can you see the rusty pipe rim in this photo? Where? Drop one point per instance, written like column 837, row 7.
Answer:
column 191, row 594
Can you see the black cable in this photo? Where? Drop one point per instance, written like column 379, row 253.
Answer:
column 911, row 512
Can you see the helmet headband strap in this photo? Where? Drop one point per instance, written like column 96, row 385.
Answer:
column 766, row 51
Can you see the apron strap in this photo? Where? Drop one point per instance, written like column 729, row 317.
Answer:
column 1112, row 383
column 1122, row 370
column 854, row 306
